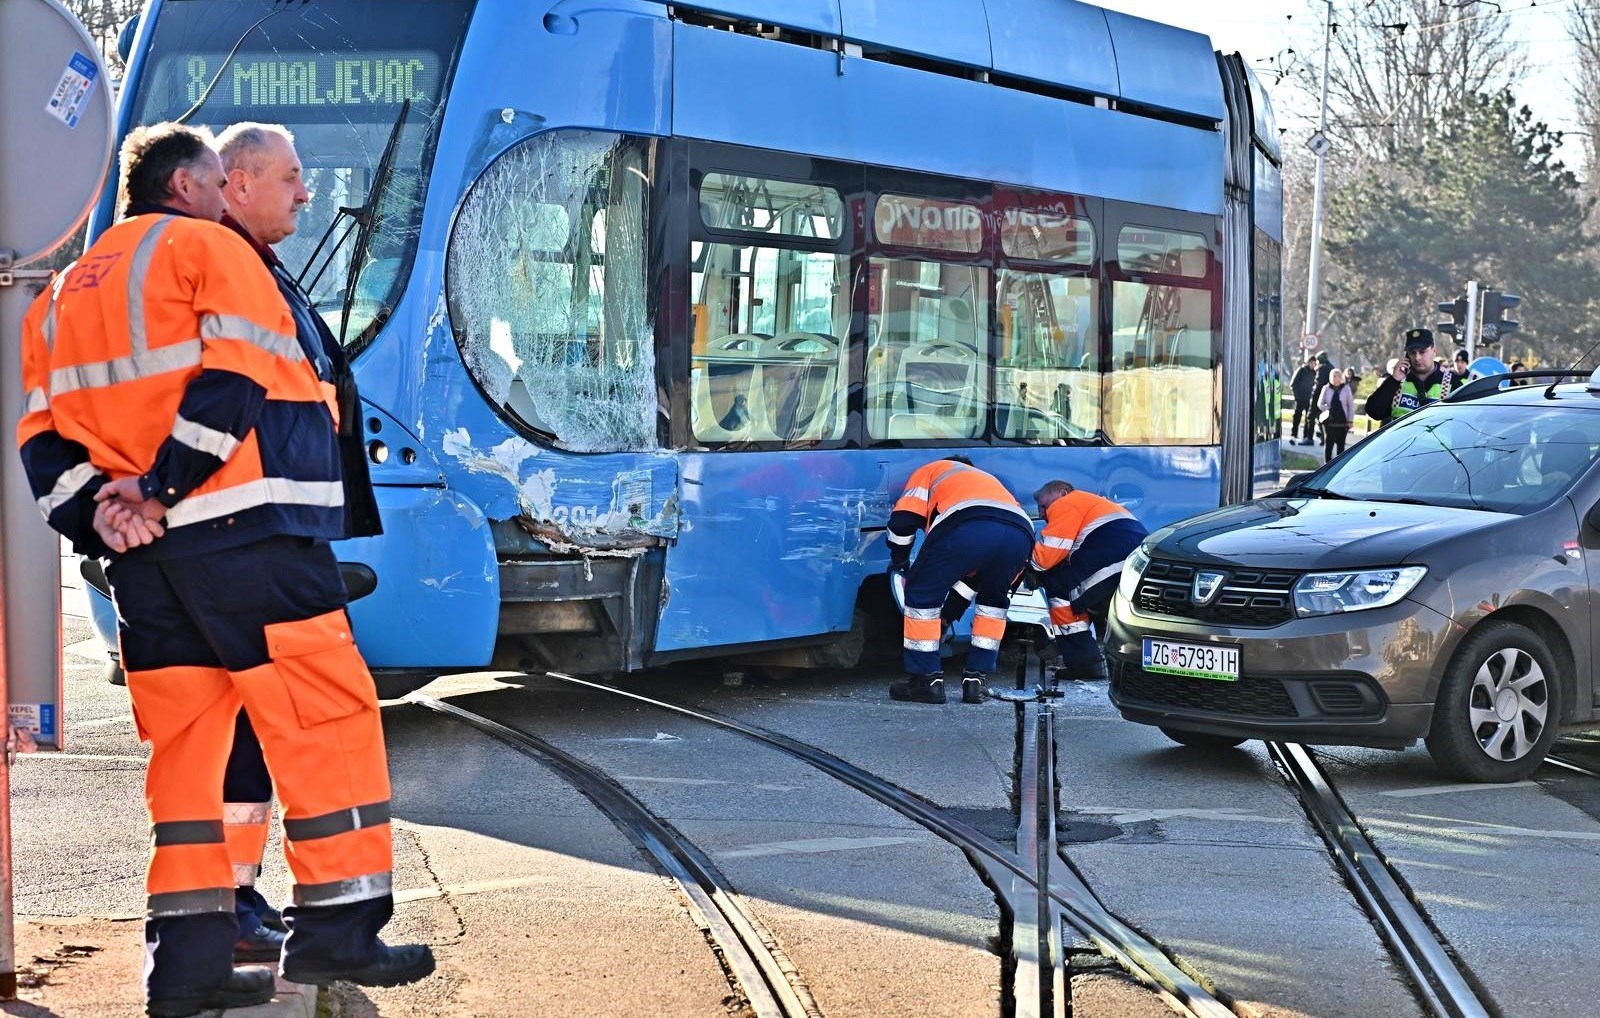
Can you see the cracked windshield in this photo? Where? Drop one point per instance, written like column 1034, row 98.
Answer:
column 345, row 78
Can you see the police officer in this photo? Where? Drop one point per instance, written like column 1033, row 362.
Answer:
column 1415, row 381
column 1079, row 561
column 265, row 191
column 977, row 538
column 175, row 425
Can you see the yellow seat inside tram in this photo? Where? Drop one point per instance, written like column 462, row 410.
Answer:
column 750, row 387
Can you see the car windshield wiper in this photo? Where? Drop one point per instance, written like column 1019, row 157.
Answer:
column 1320, row 493
column 1398, row 500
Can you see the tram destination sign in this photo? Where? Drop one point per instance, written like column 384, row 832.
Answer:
column 253, row 85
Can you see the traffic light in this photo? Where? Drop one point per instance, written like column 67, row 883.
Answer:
column 1456, row 309
column 1495, row 306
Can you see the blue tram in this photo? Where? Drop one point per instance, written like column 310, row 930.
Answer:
column 654, row 306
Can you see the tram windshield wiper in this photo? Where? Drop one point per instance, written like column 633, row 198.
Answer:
column 363, row 222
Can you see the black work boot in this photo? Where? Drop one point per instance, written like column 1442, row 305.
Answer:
column 246, row 987
column 393, row 966
column 919, row 688
column 265, row 944
column 973, row 687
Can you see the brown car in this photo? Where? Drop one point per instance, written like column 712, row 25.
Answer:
column 1432, row 583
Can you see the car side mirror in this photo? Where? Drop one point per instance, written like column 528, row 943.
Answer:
column 1592, row 517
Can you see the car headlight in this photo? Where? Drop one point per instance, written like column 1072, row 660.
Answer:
column 1331, row 593
column 1132, row 570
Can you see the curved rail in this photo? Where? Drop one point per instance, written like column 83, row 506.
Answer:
column 1142, row 958
column 770, row 983
column 1565, row 764
column 1442, row 987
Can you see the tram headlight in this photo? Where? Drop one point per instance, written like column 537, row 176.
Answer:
column 1332, row 593
column 1132, row 570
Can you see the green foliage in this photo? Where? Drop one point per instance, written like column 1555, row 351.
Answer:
column 1488, row 200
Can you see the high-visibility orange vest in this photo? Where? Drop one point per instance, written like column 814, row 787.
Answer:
column 944, row 488
column 109, row 350
column 1070, row 519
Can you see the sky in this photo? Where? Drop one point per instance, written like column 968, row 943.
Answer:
column 1262, row 29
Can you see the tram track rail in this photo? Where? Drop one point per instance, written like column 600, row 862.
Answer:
column 1063, row 889
column 1441, row 986
column 1572, row 766
column 771, row 985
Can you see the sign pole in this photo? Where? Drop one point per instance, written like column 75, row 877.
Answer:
column 56, row 143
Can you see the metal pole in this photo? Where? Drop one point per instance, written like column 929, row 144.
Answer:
column 1319, row 145
column 1474, row 306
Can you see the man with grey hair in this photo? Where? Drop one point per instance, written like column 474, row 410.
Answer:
column 1079, row 558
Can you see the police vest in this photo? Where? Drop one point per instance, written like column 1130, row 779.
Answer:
column 1410, row 398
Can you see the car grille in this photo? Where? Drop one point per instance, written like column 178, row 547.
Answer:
column 1249, row 597
column 1253, row 695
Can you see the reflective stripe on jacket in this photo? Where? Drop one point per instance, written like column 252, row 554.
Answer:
column 1069, row 520
column 1413, row 397
column 166, row 353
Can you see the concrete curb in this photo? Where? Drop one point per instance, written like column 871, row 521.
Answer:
column 293, row 1000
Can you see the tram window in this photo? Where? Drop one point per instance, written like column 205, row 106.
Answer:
column 1043, row 233
column 1149, row 251
column 768, row 359
column 930, row 224
column 760, row 205
column 928, row 349
column 1162, row 387
column 1047, row 372
column 545, row 286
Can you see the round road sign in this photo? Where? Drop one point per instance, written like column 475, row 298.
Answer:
column 58, row 131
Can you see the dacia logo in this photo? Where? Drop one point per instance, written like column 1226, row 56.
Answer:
column 1206, row 586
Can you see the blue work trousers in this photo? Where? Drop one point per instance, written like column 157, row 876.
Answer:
column 988, row 555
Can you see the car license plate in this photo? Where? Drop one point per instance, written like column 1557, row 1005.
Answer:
column 1195, row 660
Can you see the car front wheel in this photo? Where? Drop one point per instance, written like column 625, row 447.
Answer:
column 1498, row 708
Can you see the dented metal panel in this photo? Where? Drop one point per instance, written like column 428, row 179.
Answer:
column 436, row 575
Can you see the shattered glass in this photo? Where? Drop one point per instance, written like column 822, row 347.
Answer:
column 546, row 289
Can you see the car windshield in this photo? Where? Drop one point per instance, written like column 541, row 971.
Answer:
column 1502, row 458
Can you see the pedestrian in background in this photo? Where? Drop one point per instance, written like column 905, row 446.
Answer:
column 976, row 544
column 175, row 426
column 1336, row 408
column 1324, row 370
column 1304, row 386
column 1463, row 365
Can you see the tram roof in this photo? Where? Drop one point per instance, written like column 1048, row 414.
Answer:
column 1062, row 43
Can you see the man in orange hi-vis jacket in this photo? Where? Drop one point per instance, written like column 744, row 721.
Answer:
column 1079, row 556
column 977, row 544
column 175, row 426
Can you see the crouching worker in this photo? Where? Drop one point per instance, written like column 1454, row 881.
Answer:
column 977, row 536
column 1079, row 558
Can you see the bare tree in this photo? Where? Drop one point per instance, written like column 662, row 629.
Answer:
column 1401, row 68
column 1583, row 29
column 104, row 19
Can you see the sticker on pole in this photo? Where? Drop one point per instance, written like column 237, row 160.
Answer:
column 38, row 718
column 72, row 91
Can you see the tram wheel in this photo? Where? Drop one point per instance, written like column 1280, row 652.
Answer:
column 1499, row 706
column 1200, row 740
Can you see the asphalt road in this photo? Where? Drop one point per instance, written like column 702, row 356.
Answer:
column 536, row 903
